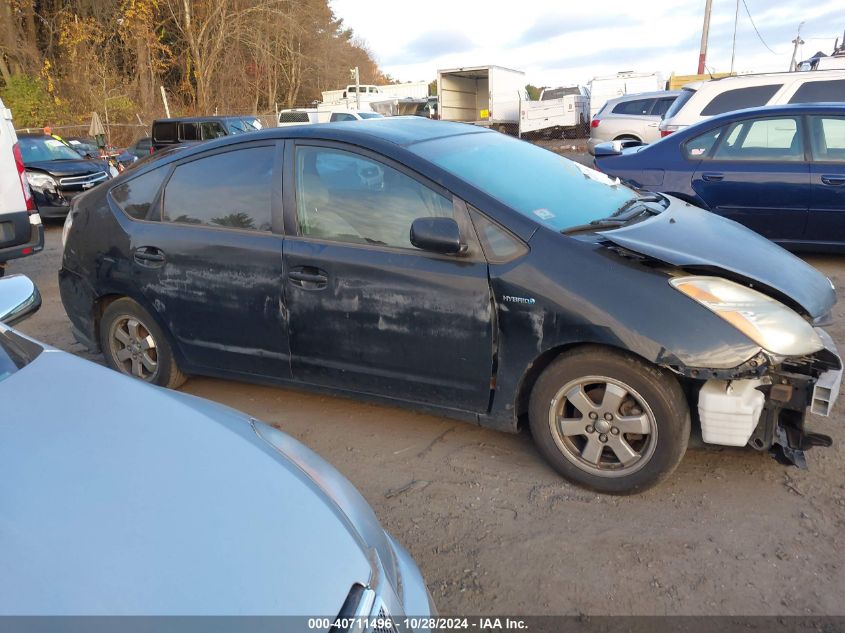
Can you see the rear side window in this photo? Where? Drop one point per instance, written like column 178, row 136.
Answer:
column 638, row 107
column 740, row 98
column 189, row 132
column 293, row 117
column 135, row 196
column 828, row 138
column 686, row 95
column 819, row 91
column 224, row 190
column 765, row 140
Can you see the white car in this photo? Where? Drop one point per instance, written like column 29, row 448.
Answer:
column 21, row 232
column 702, row 99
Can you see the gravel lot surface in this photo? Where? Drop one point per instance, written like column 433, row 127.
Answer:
column 496, row 531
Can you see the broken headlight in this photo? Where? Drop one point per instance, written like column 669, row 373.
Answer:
column 767, row 322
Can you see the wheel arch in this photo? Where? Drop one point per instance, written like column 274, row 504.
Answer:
column 104, row 300
column 546, row 358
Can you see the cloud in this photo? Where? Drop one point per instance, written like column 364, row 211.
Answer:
column 431, row 45
column 628, row 58
column 552, row 25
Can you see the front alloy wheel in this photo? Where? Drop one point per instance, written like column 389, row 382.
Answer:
column 608, row 420
column 603, row 426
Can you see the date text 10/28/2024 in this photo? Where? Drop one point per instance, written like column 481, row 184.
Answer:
column 430, row 623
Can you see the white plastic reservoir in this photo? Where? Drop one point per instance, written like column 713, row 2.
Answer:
column 729, row 410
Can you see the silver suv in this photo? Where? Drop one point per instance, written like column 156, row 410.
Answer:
column 631, row 117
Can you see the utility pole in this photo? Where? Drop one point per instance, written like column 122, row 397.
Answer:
column 357, row 89
column 797, row 41
column 705, row 32
column 733, row 45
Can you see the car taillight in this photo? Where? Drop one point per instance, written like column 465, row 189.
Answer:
column 665, row 133
column 595, row 122
column 27, row 192
column 152, row 149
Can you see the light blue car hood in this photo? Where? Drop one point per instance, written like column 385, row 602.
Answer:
column 119, row 498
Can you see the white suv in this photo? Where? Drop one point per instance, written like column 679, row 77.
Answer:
column 21, row 232
column 702, row 99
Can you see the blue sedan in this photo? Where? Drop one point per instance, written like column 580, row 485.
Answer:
column 778, row 170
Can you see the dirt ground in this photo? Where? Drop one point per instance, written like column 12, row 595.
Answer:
column 496, row 531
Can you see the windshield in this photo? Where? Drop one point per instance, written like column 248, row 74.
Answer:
column 370, row 115
column 37, row 148
column 15, row 352
column 557, row 93
column 239, row 126
column 537, row 183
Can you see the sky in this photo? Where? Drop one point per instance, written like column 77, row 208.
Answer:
column 560, row 42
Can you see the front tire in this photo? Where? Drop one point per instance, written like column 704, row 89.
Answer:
column 134, row 344
column 609, row 421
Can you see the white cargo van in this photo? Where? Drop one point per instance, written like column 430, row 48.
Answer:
column 21, row 232
column 702, row 99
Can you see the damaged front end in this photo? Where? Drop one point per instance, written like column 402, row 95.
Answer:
column 765, row 406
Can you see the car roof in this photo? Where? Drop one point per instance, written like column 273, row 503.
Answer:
column 655, row 94
column 723, row 83
column 770, row 110
column 33, row 135
column 200, row 119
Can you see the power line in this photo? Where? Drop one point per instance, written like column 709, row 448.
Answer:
column 755, row 28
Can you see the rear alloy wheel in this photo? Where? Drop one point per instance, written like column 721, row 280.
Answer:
column 609, row 421
column 134, row 345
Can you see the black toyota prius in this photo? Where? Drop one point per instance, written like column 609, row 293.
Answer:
column 460, row 270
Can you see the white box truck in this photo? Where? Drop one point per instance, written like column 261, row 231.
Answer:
column 602, row 89
column 484, row 95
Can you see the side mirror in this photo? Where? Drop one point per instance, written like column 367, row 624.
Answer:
column 614, row 148
column 438, row 235
column 19, row 298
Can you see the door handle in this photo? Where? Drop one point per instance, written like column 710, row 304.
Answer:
column 309, row 278
column 713, row 177
column 834, row 181
column 149, row 256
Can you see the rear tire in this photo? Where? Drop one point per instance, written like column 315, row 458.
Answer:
column 134, row 345
column 609, row 421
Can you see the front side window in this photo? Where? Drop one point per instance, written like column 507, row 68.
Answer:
column 636, row 107
column 347, row 197
column 231, row 190
column 740, row 98
column 662, row 106
column 702, row 145
column 828, row 138
column 341, row 116
column 212, row 129
column 135, row 196
column 189, row 132
column 762, row 140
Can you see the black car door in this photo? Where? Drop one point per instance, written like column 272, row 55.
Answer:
column 211, row 263
column 758, row 175
column 369, row 312
column 826, row 221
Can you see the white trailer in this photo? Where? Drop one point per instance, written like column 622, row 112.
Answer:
column 602, row 89
column 484, row 95
column 566, row 115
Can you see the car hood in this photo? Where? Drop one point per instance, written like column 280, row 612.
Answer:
column 69, row 167
column 119, row 498
column 697, row 240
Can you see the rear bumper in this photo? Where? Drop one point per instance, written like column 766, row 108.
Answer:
column 79, row 301
column 23, row 235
